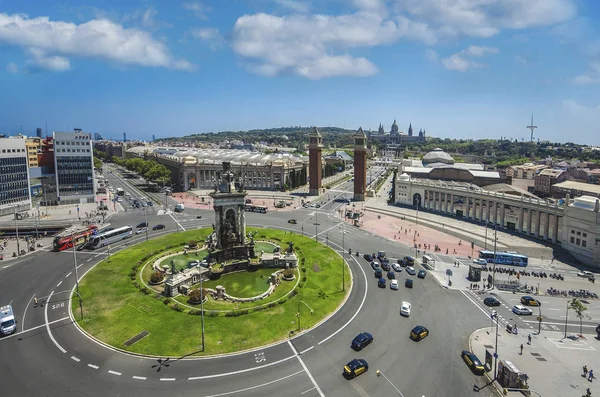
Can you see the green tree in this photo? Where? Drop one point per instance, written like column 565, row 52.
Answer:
column 97, row 163
column 579, row 308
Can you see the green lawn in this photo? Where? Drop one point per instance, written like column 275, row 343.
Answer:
column 181, row 261
column 115, row 309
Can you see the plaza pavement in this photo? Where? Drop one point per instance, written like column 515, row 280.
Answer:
column 553, row 363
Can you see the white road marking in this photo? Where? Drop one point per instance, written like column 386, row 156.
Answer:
column 48, row 326
column 571, row 324
column 25, row 312
column 89, row 260
column 306, row 369
column 167, row 379
column 306, row 391
column 68, row 274
column 75, row 359
column 257, row 386
column 93, row 366
column 305, row 350
column 110, row 371
column 7, row 266
column 59, row 283
column 241, row 371
column 176, row 221
column 139, row 377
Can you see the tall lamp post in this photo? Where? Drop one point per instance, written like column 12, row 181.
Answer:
column 343, row 261
column 146, row 220
column 17, row 232
column 298, row 313
column 202, row 305
column 494, row 265
column 316, row 224
column 76, row 275
column 495, row 314
column 485, row 241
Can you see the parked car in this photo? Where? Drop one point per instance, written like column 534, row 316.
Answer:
column 394, row 284
column 368, row 257
column 408, row 283
column 378, row 273
column 405, row 309
column 491, row 301
column 386, row 266
column 396, row 267
column 409, row 260
column 375, row 265
column 381, row 283
column 158, row 227
column 411, row 270
column 361, row 341
column 421, row 274
column 391, row 275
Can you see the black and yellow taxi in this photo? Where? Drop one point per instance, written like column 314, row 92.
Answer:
column 419, row 332
column 472, row 362
column 355, row 368
column 530, row 301
column 292, row 221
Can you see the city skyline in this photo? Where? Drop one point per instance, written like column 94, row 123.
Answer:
column 457, row 69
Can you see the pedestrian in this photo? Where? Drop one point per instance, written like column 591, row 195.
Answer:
column 585, row 371
column 529, row 339
column 521, row 352
column 591, row 375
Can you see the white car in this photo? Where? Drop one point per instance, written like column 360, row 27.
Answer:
column 394, row 284
column 480, row 261
column 405, row 309
column 141, row 230
column 522, row 310
column 411, row 270
column 585, row 273
column 396, row 267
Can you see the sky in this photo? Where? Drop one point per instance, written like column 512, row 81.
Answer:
column 465, row 69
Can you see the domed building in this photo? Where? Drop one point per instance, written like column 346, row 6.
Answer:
column 437, row 156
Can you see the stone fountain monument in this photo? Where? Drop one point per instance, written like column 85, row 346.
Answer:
column 229, row 240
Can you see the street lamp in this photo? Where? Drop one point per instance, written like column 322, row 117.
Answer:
column 486, row 228
column 494, row 265
column 380, row 373
column 146, row 219
column 298, row 313
column 343, row 261
column 495, row 314
column 17, row 232
column 316, row 224
column 202, row 305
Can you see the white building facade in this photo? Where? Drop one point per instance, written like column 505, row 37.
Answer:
column 15, row 191
column 74, row 167
column 581, row 229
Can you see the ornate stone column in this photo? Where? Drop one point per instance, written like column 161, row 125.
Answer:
column 537, row 223
column 546, row 225
column 521, row 214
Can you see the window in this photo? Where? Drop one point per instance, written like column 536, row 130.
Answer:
column 584, row 234
column 578, row 242
column 572, row 240
column 584, row 243
column 579, row 233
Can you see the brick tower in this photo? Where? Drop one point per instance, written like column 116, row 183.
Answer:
column 360, row 165
column 315, row 146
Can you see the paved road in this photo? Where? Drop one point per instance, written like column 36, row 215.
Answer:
column 34, row 364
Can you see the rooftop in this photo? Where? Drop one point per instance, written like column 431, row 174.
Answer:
column 583, row 187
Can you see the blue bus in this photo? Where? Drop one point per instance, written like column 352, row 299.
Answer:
column 504, row 258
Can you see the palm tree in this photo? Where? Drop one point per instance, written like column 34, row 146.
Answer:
column 579, row 308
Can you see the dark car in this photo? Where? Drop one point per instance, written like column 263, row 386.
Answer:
column 402, row 262
column 142, row 224
column 473, row 362
column 149, row 204
column 408, row 283
column 361, row 341
column 491, row 301
column 530, row 301
column 381, row 283
column 378, row 273
column 409, row 260
column 421, row 274
column 386, row 266
column 391, row 275
column 368, row 257
column 355, row 368
column 158, row 227
column 419, row 332
column 292, row 221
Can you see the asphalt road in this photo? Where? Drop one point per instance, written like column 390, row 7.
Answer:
column 50, row 357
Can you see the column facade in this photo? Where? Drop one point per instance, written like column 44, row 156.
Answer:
column 546, row 225
column 521, row 214
column 537, row 223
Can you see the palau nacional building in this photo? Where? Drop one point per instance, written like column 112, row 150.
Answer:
column 437, row 184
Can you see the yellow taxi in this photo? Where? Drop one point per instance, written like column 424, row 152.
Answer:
column 530, row 301
column 419, row 332
column 473, row 362
column 292, row 221
column 355, row 368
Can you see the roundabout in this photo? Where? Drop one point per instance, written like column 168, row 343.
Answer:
column 125, row 311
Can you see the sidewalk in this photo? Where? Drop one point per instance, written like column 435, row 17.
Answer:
column 553, row 364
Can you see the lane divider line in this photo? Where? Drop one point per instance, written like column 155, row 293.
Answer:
column 314, row 382
column 167, row 379
column 25, row 312
column 139, row 377
column 93, row 366
column 68, row 274
column 110, row 371
column 59, row 283
column 75, row 359
column 241, row 371
column 48, row 326
column 257, row 386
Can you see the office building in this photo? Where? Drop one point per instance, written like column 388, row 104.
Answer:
column 38, row 132
column 14, row 176
column 34, row 147
column 74, row 167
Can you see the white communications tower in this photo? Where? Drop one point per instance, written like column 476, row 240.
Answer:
column 531, row 127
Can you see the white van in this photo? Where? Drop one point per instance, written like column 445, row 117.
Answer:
column 179, row 208
column 8, row 324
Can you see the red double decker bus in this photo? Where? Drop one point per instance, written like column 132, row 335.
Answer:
column 64, row 242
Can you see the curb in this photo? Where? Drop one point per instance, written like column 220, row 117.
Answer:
column 495, row 384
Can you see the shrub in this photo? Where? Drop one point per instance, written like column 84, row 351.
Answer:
column 166, row 301
column 288, row 273
column 197, row 295
column 282, row 301
column 156, row 277
column 304, row 278
column 213, row 313
column 193, row 243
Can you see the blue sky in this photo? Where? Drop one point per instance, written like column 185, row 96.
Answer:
column 457, row 68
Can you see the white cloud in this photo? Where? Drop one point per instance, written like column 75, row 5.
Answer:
column 431, row 55
column 582, row 111
column 294, row 5
column 146, row 18
column 12, row 68
column 198, row 8
column 212, row 36
column 590, row 78
column 98, row 38
column 459, row 61
column 53, row 63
